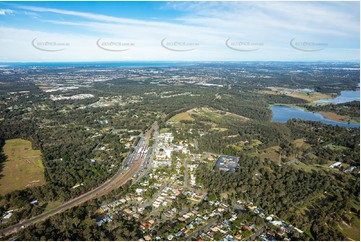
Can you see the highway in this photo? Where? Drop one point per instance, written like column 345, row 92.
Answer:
column 131, row 165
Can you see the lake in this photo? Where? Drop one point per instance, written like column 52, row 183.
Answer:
column 281, row 114
column 346, row 96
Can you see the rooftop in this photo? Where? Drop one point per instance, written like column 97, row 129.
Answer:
column 227, row 163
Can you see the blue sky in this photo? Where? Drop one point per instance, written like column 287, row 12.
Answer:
column 179, row 31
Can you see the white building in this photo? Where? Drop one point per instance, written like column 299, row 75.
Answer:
column 336, row 164
column 138, row 191
column 166, row 137
column 8, row 214
column 163, row 153
column 193, row 180
column 162, row 163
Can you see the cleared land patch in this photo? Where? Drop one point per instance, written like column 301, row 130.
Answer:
column 164, row 130
column 334, row 116
column 181, row 116
column 308, row 96
column 271, row 153
column 209, row 114
column 217, row 116
column 352, row 230
column 23, row 167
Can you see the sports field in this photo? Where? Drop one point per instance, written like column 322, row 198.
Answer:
column 23, row 167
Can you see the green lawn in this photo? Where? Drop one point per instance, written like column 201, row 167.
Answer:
column 164, row 130
column 338, row 148
column 23, row 167
column 52, row 205
column 307, row 167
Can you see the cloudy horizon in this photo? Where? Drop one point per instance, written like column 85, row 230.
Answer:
column 179, row 31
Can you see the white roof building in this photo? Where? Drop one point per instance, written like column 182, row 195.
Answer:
column 138, row 191
column 8, row 214
column 166, row 137
column 336, row 164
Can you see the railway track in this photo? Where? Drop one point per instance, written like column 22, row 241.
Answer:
column 118, row 180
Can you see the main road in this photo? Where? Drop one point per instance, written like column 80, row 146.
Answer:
column 133, row 161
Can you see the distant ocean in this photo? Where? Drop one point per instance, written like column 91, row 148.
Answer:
column 105, row 64
column 99, row 64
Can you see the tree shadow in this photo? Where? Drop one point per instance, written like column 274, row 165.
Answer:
column 3, row 157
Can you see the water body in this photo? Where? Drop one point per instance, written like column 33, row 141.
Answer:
column 346, row 96
column 281, row 114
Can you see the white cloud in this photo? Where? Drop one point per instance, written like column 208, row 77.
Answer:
column 6, row 12
column 94, row 17
column 31, row 14
column 208, row 23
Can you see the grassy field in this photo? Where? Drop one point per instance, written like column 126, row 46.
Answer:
column 352, row 231
column 271, row 153
column 308, row 167
column 164, row 130
column 218, row 116
column 23, row 167
column 218, row 129
column 338, row 148
column 215, row 116
column 52, row 205
column 181, row 116
column 299, row 142
column 308, row 96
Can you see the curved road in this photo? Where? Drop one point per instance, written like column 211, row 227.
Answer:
column 119, row 179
